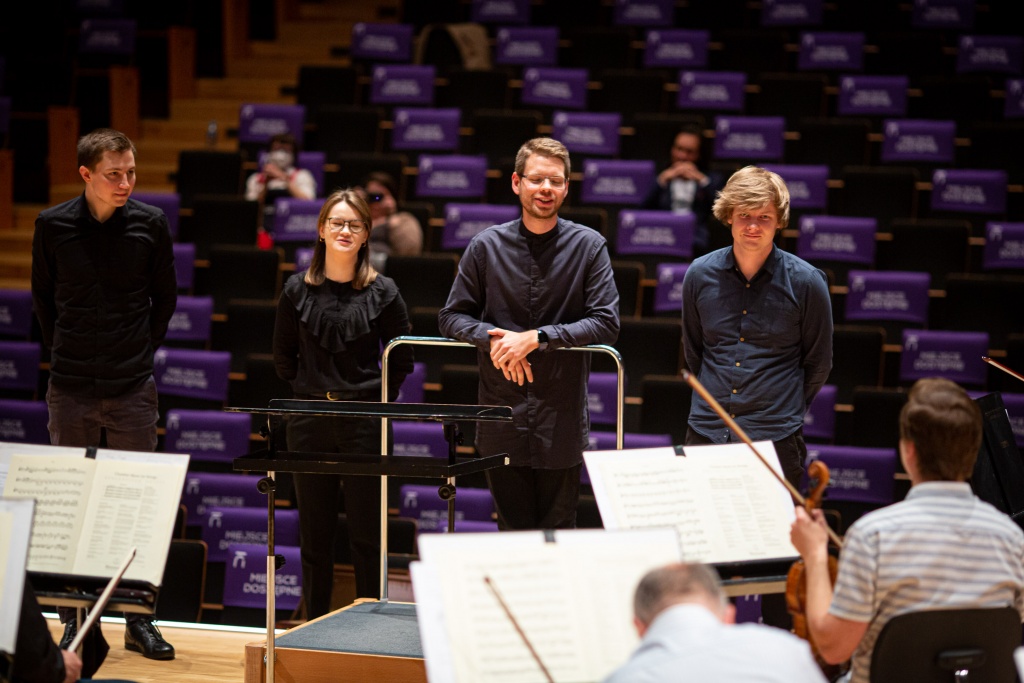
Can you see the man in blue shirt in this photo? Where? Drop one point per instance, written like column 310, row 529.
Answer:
column 757, row 325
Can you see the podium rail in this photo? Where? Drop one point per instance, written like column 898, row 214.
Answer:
column 383, row 464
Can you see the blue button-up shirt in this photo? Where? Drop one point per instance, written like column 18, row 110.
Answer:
column 762, row 347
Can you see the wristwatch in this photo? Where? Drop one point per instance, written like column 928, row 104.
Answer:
column 542, row 340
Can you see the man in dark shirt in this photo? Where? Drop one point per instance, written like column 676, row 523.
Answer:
column 104, row 289
column 524, row 289
column 757, row 332
column 757, row 325
column 685, row 186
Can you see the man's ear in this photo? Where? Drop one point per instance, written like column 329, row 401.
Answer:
column 515, row 182
column 908, row 454
column 641, row 627
column 729, row 614
column 85, row 173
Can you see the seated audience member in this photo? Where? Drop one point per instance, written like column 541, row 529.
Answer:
column 279, row 177
column 395, row 232
column 685, row 187
column 687, row 631
column 941, row 547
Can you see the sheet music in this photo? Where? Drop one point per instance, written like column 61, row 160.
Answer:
column 89, row 512
column 430, row 622
column 724, row 503
column 133, row 504
column 6, row 525
column 15, row 531
column 60, row 486
column 7, row 449
column 550, row 588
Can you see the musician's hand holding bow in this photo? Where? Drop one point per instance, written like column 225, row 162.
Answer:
column 809, row 535
column 508, row 353
column 835, row 638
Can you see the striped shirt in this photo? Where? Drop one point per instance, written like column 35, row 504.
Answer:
column 941, row 547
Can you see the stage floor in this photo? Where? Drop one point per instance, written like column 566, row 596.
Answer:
column 211, row 654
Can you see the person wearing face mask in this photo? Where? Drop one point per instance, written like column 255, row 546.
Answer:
column 279, row 177
column 394, row 232
column 332, row 322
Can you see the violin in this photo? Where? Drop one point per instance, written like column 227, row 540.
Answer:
column 796, row 579
column 796, row 584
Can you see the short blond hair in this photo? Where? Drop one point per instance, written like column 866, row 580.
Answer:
column 752, row 187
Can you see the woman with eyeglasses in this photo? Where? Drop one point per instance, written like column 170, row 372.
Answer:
column 332, row 321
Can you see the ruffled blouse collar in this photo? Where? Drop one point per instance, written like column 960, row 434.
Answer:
column 335, row 313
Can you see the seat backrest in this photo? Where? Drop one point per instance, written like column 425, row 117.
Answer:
column 184, row 583
column 890, row 192
column 338, row 129
column 857, row 353
column 249, row 329
column 15, row 314
column 648, row 347
column 20, row 363
column 497, row 133
column 629, row 276
column 353, row 167
column 24, row 421
column 421, row 502
column 205, row 171
column 241, row 272
column 937, row 246
column 666, row 406
column 983, row 302
column 928, row 646
column 424, row 280
column 320, row 85
column 876, row 416
column 218, row 220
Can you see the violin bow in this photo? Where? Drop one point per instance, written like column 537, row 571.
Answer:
column 1002, row 367
column 731, row 424
column 519, row 630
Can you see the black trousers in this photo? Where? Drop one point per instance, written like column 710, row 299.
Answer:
column 317, row 497
column 530, row 498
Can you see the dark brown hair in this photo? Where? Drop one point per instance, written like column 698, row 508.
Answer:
column 944, row 424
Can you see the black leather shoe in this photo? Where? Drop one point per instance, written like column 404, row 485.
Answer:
column 70, row 631
column 143, row 636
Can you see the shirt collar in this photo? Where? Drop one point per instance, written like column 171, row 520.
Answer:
column 769, row 265
column 116, row 219
column 686, row 615
column 931, row 489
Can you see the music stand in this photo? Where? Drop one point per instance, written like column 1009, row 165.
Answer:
column 382, row 465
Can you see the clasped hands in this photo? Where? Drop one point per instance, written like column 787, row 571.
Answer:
column 508, row 353
column 681, row 169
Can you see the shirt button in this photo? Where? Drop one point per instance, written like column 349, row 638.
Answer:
column 734, row 391
column 744, row 311
column 737, row 364
column 748, row 285
column 742, row 339
column 732, row 415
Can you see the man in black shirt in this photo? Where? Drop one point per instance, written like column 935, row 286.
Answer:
column 104, row 289
column 524, row 289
